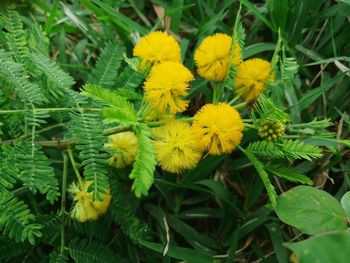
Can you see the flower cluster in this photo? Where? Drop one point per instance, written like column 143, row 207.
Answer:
column 217, row 127
column 271, row 130
column 85, row 207
column 123, row 147
column 212, row 57
column 252, row 78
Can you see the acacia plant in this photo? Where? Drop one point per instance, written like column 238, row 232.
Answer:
column 98, row 171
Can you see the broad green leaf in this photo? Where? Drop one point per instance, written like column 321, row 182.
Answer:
column 345, row 202
column 310, row 210
column 326, row 248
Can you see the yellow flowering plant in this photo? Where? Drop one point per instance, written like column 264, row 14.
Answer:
column 159, row 127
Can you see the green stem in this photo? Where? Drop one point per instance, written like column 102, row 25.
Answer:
column 241, row 105
column 24, row 136
column 231, row 102
column 247, row 120
column 75, row 167
column 251, row 126
column 216, row 93
column 48, row 110
column 63, row 200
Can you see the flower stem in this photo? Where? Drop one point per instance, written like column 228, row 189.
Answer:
column 75, row 167
column 63, row 200
column 241, row 105
column 251, row 126
column 231, row 102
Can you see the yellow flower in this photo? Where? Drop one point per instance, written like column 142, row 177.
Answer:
column 157, row 47
column 218, row 128
column 167, row 85
column 213, row 55
column 176, row 147
column 85, row 208
column 252, row 77
column 124, row 148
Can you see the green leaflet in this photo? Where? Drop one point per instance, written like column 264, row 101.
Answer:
column 16, row 221
column 36, row 172
column 145, row 162
column 88, row 127
column 105, row 72
column 16, row 37
column 289, row 174
column 263, row 175
column 15, row 74
column 85, row 251
column 122, row 210
column 120, row 110
column 266, row 109
column 290, row 149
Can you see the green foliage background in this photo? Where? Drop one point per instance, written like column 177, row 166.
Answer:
column 214, row 213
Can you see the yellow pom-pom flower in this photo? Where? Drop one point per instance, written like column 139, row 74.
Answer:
column 123, row 147
column 167, row 85
column 157, row 47
column 252, row 77
column 217, row 128
column 212, row 57
column 176, row 147
column 85, row 207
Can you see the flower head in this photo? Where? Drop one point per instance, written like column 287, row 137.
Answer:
column 176, row 147
column 157, row 47
column 271, row 130
column 85, row 207
column 212, row 57
column 252, row 77
column 218, row 128
column 124, row 148
column 167, row 85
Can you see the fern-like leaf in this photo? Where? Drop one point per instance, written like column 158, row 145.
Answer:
column 16, row 37
column 15, row 74
column 85, row 251
column 265, row 149
column 8, row 170
column 289, row 174
column 10, row 249
column 105, row 72
column 129, row 79
column 38, row 40
column 120, row 110
column 57, row 257
column 124, row 213
column 264, row 176
column 36, row 172
column 88, row 127
column 289, row 68
column 110, row 98
column 296, row 149
column 16, row 221
column 145, row 162
column 53, row 72
column 268, row 110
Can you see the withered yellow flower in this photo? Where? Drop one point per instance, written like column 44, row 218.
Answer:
column 85, row 208
column 123, row 147
column 167, row 86
column 217, row 128
column 212, row 57
column 157, row 47
column 176, row 147
column 252, row 77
